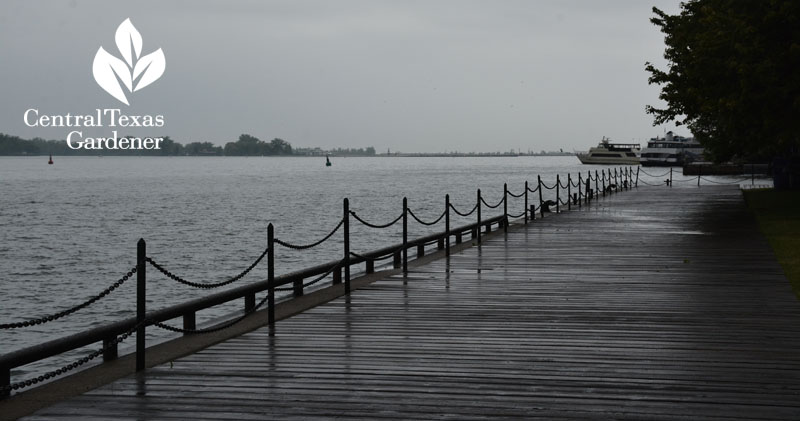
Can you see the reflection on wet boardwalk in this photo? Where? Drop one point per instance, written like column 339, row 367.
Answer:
column 653, row 304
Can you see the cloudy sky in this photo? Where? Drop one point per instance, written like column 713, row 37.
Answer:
column 427, row 76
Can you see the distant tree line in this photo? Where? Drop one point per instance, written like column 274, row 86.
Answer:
column 14, row 145
column 246, row 145
column 370, row 151
column 252, row 146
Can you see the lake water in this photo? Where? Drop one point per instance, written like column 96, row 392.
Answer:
column 69, row 230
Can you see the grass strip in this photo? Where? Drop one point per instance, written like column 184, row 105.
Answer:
column 778, row 216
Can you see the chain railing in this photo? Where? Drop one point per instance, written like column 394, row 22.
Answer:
column 495, row 206
column 200, row 285
column 517, row 196
column 550, row 188
column 296, row 282
column 464, row 214
column 60, row 314
column 312, row 245
column 656, row 179
column 315, row 280
column 377, row 226
column 434, row 222
column 7, row 388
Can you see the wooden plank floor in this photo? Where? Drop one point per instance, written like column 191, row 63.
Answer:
column 652, row 304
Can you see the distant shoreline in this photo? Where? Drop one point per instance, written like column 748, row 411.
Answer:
column 399, row 155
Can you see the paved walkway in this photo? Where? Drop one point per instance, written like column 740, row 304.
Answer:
column 652, row 304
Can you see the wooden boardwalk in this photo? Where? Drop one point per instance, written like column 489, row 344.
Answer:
column 651, row 304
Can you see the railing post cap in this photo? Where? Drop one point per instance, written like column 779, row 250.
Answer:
column 141, row 241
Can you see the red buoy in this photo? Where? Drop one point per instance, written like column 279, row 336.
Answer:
column 51, row 160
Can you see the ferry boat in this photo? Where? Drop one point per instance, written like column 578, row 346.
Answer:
column 611, row 153
column 671, row 150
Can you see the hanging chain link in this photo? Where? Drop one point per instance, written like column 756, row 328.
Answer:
column 50, row 318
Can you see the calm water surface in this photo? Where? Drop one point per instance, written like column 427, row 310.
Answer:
column 69, row 230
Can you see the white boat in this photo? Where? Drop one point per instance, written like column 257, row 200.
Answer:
column 611, row 153
column 671, row 150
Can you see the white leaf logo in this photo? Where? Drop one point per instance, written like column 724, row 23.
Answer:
column 135, row 72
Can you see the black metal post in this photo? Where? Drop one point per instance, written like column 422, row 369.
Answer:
column 270, row 275
column 249, row 304
column 569, row 191
column 346, row 226
column 623, row 172
column 526, row 201
column 5, row 380
column 479, row 216
column 637, row 176
column 580, row 182
column 588, row 194
column 558, row 197
column 447, row 225
column 588, row 186
column 141, row 291
column 595, row 181
column 541, row 202
column 505, row 207
column 190, row 318
column 699, row 173
column 630, row 176
column 297, row 287
column 110, row 350
column 405, row 235
column 604, row 182
column 625, row 181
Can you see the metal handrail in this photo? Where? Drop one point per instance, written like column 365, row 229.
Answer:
column 112, row 333
column 58, row 346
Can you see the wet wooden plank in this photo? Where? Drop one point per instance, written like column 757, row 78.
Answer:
column 651, row 304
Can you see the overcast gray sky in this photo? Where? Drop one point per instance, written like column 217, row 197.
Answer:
column 424, row 76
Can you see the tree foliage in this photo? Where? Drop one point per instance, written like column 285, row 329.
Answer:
column 248, row 145
column 733, row 76
column 13, row 145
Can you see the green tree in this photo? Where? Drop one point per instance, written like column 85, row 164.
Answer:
column 232, row 149
column 733, row 76
column 280, row 147
column 202, row 148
